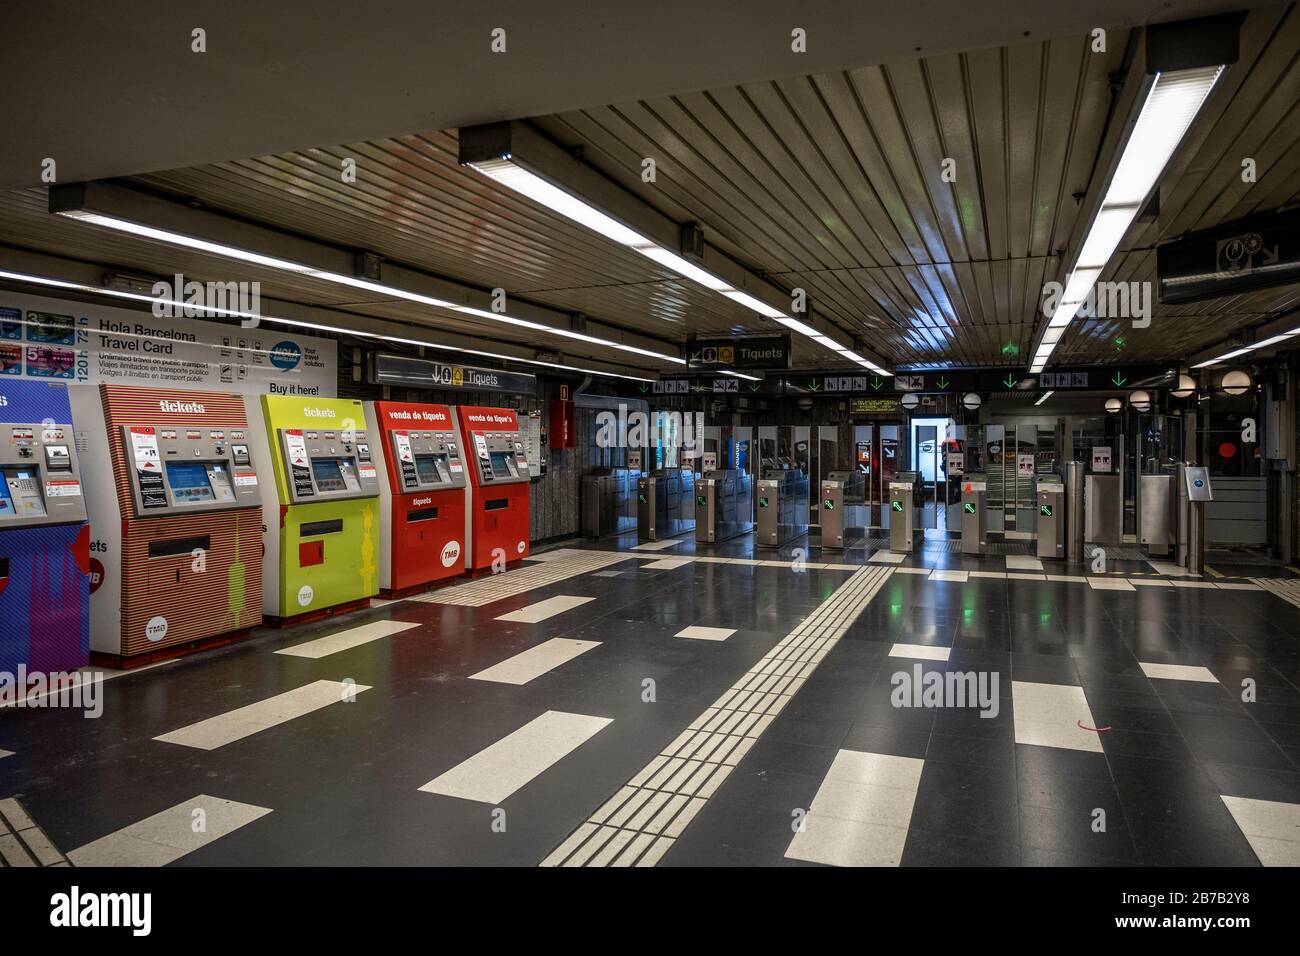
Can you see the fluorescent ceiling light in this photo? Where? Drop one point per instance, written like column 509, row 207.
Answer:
column 298, row 268
column 1046, row 396
column 1166, row 114
column 524, row 181
column 297, row 323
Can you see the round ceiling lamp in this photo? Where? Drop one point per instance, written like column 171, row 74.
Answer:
column 911, row 400
column 1113, row 405
column 1236, row 382
column 971, row 401
column 1140, row 400
column 1186, row 385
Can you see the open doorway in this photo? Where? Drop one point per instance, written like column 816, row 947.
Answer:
column 930, row 437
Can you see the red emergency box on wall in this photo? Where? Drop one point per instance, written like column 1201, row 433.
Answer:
column 497, row 503
column 422, row 494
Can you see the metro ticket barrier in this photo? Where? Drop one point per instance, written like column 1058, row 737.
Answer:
column 498, row 504
column 1194, row 489
column 832, row 515
column 782, row 513
column 44, row 538
column 902, row 513
column 1051, row 518
column 421, row 494
column 722, row 505
column 974, row 521
column 665, row 504
column 175, row 507
column 322, row 514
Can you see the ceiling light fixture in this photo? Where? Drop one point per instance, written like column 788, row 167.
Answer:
column 1046, row 395
column 1168, row 109
column 297, row 323
column 171, row 237
column 507, row 171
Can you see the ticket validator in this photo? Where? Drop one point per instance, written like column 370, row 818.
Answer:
column 173, row 497
column 44, row 539
column 421, row 494
column 497, row 502
column 322, row 510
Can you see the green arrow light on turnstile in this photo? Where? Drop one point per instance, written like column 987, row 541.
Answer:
column 641, row 498
column 895, row 506
column 1045, row 510
column 969, row 507
column 828, row 504
column 700, row 500
column 762, row 502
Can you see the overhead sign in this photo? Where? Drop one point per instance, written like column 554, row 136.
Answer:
column 1253, row 253
column 859, row 406
column 73, row 342
column 387, row 369
column 758, row 352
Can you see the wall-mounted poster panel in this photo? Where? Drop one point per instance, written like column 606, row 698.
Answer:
column 59, row 340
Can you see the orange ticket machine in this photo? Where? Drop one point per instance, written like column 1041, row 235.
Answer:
column 497, row 506
column 421, row 494
column 175, row 520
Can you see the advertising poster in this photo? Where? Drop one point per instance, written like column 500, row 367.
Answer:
column 53, row 339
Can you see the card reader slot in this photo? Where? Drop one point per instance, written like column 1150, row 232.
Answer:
column 496, row 504
column 313, row 528
column 422, row 514
column 175, row 547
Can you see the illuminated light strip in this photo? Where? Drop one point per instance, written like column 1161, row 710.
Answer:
column 1272, row 340
column 527, row 183
column 338, row 278
column 209, row 311
column 1046, row 395
column 1167, row 113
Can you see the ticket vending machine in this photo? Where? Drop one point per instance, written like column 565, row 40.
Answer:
column 44, row 539
column 421, row 494
column 175, row 520
column 497, row 502
column 322, row 511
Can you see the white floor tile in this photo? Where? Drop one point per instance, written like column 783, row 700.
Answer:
column 499, row 770
column 1150, row 583
column 887, row 557
column 1178, row 672
column 1098, row 583
column 168, row 835
column 1068, row 578
column 999, row 575
column 535, row 661
column 346, row 640
column 925, row 571
column 924, row 652
column 1206, row 585
column 1023, row 562
column 1024, row 576
column 1048, row 715
column 861, row 812
column 666, row 564
column 1167, row 568
column 1239, row 586
column 245, row 721
column 959, row 576
column 658, row 545
column 699, row 633
column 1272, row 828
column 536, row 613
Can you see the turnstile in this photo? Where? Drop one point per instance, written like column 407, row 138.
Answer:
column 1074, row 512
column 974, row 525
column 832, row 515
column 782, row 507
column 1103, row 505
column 842, row 511
column 1156, row 517
column 723, row 508
column 1051, row 517
column 902, row 513
column 1193, row 490
column 608, row 502
column 665, row 504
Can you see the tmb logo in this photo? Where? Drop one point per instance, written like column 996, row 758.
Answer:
column 450, row 552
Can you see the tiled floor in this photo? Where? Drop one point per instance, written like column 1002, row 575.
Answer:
column 682, row 705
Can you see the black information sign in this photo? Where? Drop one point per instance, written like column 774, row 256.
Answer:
column 768, row 351
column 302, row 485
column 152, row 492
column 388, row 369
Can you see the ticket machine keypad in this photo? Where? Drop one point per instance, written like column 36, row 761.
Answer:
column 176, row 469
column 427, row 460
column 40, row 480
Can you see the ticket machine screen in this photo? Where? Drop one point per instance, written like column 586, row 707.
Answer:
column 189, row 481
column 503, row 464
column 432, row 469
column 334, row 474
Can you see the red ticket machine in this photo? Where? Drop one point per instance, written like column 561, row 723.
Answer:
column 496, row 523
column 422, row 494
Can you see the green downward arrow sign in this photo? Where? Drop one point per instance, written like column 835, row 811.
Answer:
column 943, row 383
column 644, row 389
column 812, row 387
column 1118, row 379
column 1011, row 381
column 753, row 387
column 876, row 383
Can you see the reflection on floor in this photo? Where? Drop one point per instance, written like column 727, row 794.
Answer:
column 679, row 705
